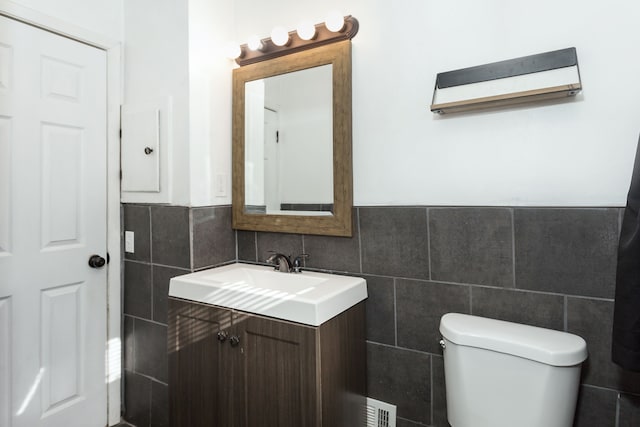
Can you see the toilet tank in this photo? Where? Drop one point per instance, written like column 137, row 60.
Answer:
column 503, row 374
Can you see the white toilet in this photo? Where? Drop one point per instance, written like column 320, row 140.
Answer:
column 503, row 374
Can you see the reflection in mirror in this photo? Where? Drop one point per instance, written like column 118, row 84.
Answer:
column 289, row 143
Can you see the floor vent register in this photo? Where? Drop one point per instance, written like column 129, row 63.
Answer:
column 380, row 414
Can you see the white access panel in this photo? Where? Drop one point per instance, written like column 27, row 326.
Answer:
column 145, row 150
column 140, row 150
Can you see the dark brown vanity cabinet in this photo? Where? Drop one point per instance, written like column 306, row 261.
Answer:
column 233, row 369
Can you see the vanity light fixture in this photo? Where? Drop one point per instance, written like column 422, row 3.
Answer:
column 280, row 36
column 335, row 21
column 306, row 30
column 254, row 43
column 233, row 51
column 336, row 28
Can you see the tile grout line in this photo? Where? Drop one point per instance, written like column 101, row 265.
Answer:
column 359, row 239
column 150, row 236
column 429, row 243
column 566, row 313
column 133, row 344
column 255, row 246
column 431, row 391
column 395, row 315
column 235, row 235
column 150, row 401
column 155, row 322
column 513, row 247
column 617, row 419
column 135, row 261
column 411, row 350
column 151, row 291
column 190, row 228
column 151, row 262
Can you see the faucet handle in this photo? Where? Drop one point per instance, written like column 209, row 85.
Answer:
column 297, row 262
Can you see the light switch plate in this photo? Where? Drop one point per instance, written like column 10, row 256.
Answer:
column 129, row 245
column 221, row 185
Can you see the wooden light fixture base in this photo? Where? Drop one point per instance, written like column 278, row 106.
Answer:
column 296, row 44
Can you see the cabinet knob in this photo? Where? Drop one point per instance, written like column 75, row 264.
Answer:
column 222, row 336
column 234, row 341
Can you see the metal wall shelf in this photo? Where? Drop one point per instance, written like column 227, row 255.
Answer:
column 545, row 76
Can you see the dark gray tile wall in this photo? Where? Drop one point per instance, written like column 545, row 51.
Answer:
column 629, row 411
column 164, row 238
column 170, row 236
column 592, row 319
column 400, row 376
column 567, row 251
column 546, row 267
column 381, row 312
column 537, row 309
column 471, row 246
column 214, row 242
column 394, row 242
column 596, row 407
column 268, row 243
column 419, row 307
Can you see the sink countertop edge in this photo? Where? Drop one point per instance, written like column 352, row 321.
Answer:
column 301, row 310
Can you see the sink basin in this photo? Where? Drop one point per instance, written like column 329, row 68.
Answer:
column 310, row 298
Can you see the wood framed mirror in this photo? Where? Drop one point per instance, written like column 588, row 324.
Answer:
column 294, row 176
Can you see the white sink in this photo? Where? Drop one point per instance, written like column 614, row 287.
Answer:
column 308, row 297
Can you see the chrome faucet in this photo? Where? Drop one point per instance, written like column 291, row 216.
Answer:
column 283, row 263
column 280, row 262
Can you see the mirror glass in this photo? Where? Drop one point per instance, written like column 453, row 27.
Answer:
column 289, row 143
column 292, row 161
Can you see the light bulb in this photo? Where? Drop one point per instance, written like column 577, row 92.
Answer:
column 334, row 21
column 254, row 43
column 306, row 30
column 279, row 36
column 232, row 50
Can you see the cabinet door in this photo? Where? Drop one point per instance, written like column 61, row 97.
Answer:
column 278, row 369
column 198, row 365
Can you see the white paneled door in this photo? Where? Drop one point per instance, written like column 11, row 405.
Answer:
column 52, row 220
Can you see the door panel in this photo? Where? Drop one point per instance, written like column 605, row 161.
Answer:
column 61, row 345
column 61, row 185
column 279, row 373
column 6, row 66
column 5, row 175
column 5, row 361
column 52, row 219
column 198, row 365
column 60, row 80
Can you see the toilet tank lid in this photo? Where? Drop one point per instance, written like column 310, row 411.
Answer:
column 530, row 342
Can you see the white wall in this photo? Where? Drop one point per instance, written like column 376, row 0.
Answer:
column 98, row 16
column 575, row 153
column 210, row 29
column 572, row 153
column 156, row 68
